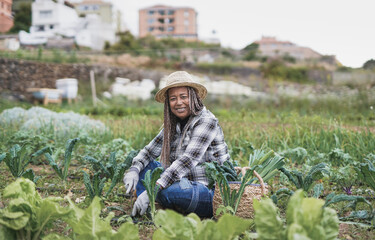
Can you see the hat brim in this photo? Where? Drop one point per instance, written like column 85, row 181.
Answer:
column 201, row 90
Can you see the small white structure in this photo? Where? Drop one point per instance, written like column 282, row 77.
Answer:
column 68, row 86
column 133, row 90
column 228, row 88
column 220, row 87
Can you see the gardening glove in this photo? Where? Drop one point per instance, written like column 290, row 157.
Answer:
column 141, row 204
column 130, row 181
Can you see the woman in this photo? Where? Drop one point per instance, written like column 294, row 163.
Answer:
column 191, row 136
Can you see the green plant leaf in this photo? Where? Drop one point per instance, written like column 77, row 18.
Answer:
column 2, row 156
column 227, row 227
column 54, row 236
column 366, row 171
column 14, row 219
column 54, row 165
column 330, row 222
column 174, row 226
column 268, row 223
column 88, row 222
column 6, row 233
column 68, row 155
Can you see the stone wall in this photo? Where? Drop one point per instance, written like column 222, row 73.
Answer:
column 18, row 75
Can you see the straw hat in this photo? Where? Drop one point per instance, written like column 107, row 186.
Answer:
column 180, row 79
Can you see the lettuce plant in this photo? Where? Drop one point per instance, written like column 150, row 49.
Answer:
column 172, row 225
column 27, row 214
column 306, row 218
column 87, row 224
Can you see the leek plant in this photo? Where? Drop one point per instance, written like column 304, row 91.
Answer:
column 266, row 164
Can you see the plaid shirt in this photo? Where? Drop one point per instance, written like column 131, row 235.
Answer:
column 203, row 142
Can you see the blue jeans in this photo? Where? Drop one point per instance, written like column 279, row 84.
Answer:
column 184, row 196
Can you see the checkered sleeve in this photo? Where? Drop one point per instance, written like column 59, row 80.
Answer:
column 148, row 153
column 203, row 132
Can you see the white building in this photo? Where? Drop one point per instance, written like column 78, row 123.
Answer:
column 55, row 19
column 50, row 18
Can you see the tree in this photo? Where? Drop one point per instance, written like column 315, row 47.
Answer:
column 370, row 64
column 22, row 19
column 251, row 51
column 127, row 43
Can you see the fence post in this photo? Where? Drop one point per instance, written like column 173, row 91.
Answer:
column 93, row 90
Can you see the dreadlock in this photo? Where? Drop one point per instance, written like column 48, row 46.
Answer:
column 170, row 122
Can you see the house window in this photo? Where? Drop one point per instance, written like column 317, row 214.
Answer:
column 45, row 14
column 186, row 14
column 161, row 12
column 186, row 22
column 170, row 12
column 40, row 28
column 161, row 29
column 186, row 29
column 84, row 7
column 170, row 29
column 150, row 20
column 150, row 29
column 50, row 26
column 151, row 12
column 95, row 7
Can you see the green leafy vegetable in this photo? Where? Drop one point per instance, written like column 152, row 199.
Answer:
column 231, row 198
column 265, row 164
column 173, row 225
column 62, row 168
column 95, row 186
column 18, row 158
column 366, row 172
column 27, row 214
column 112, row 170
column 306, row 182
column 152, row 189
column 87, row 224
column 306, row 218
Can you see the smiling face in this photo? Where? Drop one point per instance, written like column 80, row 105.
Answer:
column 179, row 102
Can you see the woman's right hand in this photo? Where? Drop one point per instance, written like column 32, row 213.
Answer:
column 130, row 180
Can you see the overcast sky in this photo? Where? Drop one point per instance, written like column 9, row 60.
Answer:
column 345, row 28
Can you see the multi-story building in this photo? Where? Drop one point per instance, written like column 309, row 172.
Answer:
column 50, row 18
column 98, row 7
column 166, row 21
column 6, row 18
column 271, row 47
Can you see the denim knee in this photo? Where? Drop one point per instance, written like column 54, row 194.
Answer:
column 187, row 197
